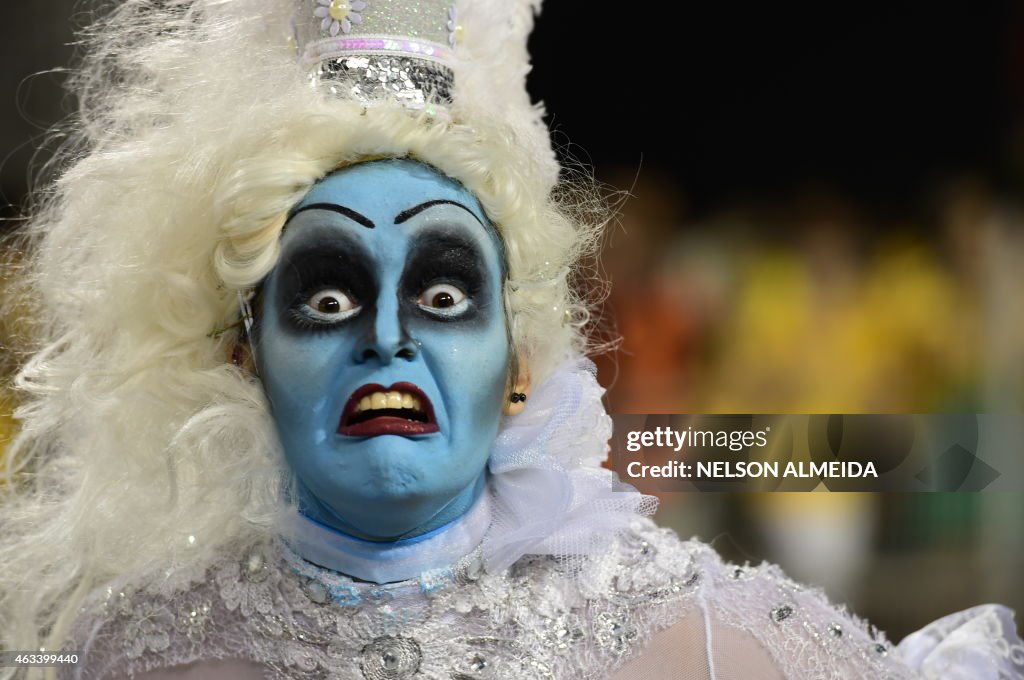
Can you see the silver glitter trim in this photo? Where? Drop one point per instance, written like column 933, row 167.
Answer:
column 413, row 82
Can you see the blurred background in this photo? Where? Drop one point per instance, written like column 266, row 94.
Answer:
column 819, row 211
column 824, row 216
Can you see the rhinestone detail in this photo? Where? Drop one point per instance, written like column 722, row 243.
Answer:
column 390, row 657
column 781, row 613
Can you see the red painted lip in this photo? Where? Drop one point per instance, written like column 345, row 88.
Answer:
column 387, row 424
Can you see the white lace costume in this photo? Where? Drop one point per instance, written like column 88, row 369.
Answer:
column 570, row 583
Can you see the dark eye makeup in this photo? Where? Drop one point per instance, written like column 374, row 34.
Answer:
column 445, row 259
column 310, row 272
column 436, row 258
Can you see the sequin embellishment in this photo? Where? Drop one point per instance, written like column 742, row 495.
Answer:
column 390, row 657
column 781, row 613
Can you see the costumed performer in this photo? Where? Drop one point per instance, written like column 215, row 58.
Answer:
column 310, row 398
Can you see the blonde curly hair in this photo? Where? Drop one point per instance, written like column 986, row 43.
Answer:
column 147, row 450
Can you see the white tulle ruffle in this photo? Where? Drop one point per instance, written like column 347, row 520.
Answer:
column 551, row 495
column 979, row 643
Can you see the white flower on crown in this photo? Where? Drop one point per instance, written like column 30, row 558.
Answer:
column 338, row 15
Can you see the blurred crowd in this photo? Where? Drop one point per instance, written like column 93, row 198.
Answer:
column 13, row 344
column 810, row 306
column 815, row 309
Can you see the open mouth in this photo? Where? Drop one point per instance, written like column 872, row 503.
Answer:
column 401, row 409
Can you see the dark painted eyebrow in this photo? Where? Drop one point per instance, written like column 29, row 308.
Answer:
column 347, row 212
column 416, row 210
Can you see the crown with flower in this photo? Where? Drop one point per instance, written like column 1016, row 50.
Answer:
column 416, row 53
column 371, row 49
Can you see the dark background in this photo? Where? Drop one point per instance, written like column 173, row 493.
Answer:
column 754, row 100
column 738, row 101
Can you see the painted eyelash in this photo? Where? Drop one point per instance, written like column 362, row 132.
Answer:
column 471, row 304
column 306, row 322
column 442, row 316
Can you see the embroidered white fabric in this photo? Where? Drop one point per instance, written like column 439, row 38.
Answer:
column 650, row 607
column 569, row 583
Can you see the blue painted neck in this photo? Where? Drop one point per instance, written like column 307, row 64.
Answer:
column 320, row 513
column 389, row 561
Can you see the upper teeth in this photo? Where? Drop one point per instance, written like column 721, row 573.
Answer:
column 392, row 399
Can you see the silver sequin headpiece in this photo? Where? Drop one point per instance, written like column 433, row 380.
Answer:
column 373, row 49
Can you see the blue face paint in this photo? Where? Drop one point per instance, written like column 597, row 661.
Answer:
column 383, row 348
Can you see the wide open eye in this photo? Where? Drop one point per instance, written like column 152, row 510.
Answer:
column 443, row 299
column 330, row 304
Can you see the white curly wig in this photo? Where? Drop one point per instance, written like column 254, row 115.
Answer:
column 142, row 450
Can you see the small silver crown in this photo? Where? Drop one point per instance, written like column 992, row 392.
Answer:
column 380, row 49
